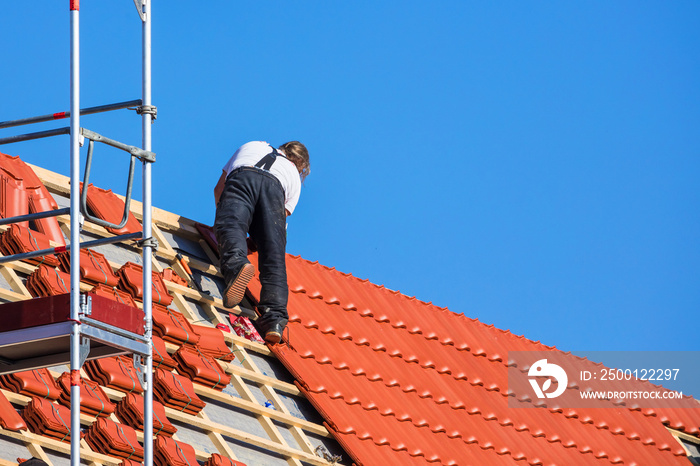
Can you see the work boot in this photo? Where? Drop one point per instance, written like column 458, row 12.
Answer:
column 235, row 290
column 269, row 325
column 272, row 333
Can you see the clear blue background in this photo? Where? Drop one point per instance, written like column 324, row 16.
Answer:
column 531, row 164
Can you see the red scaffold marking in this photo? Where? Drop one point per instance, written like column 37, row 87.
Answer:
column 74, row 377
column 74, row 5
column 59, row 115
column 59, row 249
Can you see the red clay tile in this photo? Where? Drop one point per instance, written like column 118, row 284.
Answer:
column 172, row 326
column 36, row 382
column 131, row 281
column 212, row 343
column 48, row 281
column 169, row 452
column 18, row 239
column 400, row 381
column 22, row 192
column 46, row 418
column 161, row 358
column 9, row 417
column 107, row 437
column 201, row 368
column 176, row 392
column 94, row 268
column 93, row 399
column 172, row 276
column 107, row 206
column 114, row 294
column 130, row 411
column 115, row 372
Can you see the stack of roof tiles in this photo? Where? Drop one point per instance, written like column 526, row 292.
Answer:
column 18, row 239
column 130, row 412
column 94, row 268
column 200, row 368
column 37, row 382
column 131, row 281
column 46, row 418
column 169, row 452
column 176, row 392
column 93, row 400
column 115, row 372
column 48, row 281
column 114, row 439
column 106, row 205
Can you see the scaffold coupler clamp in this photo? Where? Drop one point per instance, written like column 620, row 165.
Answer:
column 150, row 242
column 148, row 110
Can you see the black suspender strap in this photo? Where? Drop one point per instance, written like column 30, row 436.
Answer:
column 266, row 162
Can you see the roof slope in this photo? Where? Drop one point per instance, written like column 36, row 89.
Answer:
column 400, row 381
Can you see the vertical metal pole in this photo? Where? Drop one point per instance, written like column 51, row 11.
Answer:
column 75, row 231
column 147, row 265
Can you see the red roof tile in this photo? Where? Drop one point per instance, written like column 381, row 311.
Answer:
column 172, row 326
column 36, row 382
column 18, row 239
column 23, row 192
column 218, row 460
column 116, row 372
column 131, row 281
column 130, row 411
column 9, row 417
column 176, row 392
column 93, row 400
column 201, row 368
column 107, row 437
column 94, row 267
column 46, row 418
column 400, row 381
column 169, row 452
column 107, row 206
column 212, row 343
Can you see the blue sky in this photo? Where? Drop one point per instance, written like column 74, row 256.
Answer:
column 531, row 164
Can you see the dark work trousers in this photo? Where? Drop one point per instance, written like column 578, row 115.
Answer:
column 253, row 202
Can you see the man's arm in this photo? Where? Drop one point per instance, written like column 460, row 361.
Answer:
column 220, row 187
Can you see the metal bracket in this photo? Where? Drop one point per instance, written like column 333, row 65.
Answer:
column 141, row 8
column 148, row 110
column 148, row 242
column 140, row 370
column 85, row 305
column 84, row 350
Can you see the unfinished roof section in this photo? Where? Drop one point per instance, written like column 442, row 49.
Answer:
column 220, row 398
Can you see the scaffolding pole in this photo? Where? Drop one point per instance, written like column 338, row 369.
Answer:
column 75, row 231
column 146, row 121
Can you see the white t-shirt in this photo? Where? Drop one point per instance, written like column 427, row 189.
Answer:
column 283, row 169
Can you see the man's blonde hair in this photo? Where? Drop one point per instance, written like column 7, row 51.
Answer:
column 296, row 152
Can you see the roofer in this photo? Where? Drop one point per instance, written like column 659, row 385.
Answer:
column 258, row 189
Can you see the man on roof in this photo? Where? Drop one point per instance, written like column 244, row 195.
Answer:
column 258, row 189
